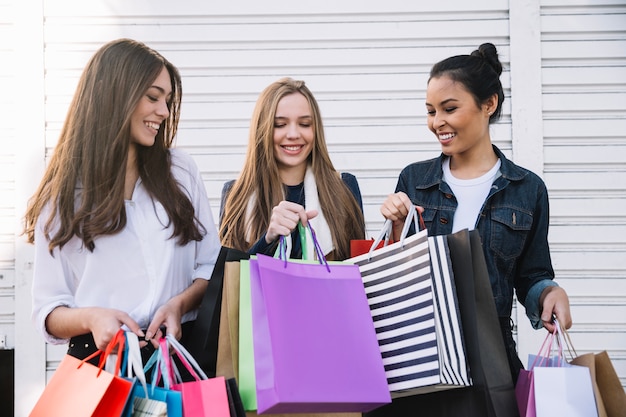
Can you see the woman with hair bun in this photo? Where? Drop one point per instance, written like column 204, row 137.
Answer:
column 472, row 185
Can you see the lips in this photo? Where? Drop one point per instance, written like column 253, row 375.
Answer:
column 292, row 148
column 153, row 125
column 445, row 138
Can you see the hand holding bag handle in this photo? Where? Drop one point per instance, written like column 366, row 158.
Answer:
column 413, row 217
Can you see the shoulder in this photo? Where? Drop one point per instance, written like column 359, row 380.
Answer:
column 228, row 185
column 184, row 170
column 181, row 159
column 351, row 182
column 349, row 179
column 518, row 174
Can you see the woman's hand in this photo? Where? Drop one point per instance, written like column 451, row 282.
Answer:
column 103, row 323
column 554, row 301
column 166, row 320
column 395, row 208
column 285, row 218
column 169, row 315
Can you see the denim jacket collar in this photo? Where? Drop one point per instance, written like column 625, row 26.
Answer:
column 434, row 175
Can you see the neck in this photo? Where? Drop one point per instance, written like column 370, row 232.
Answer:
column 473, row 163
column 292, row 175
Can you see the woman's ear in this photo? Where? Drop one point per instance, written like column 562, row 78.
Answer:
column 491, row 105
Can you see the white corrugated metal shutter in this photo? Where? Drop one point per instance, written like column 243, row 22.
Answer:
column 367, row 63
column 583, row 70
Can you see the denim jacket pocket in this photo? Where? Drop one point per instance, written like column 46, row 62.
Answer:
column 509, row 229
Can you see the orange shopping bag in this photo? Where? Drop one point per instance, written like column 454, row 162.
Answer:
column 80, row 389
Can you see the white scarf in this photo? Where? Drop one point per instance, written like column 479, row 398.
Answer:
column 319, row 224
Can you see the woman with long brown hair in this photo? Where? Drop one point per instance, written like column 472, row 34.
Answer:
column 121, row 223
column 287, row 178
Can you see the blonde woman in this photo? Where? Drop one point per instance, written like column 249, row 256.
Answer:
column 287, row 178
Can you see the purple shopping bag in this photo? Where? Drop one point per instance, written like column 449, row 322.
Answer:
column 315, row 347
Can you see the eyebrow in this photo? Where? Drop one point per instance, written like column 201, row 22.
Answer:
column 299, row 118
column 162, row 90
column 446, row 101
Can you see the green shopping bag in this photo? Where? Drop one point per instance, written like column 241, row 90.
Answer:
column 247, row 378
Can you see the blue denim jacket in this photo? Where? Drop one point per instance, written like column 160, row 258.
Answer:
column 513, row 226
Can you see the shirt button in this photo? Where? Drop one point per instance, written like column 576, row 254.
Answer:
column 443, row 220
column 448, row 195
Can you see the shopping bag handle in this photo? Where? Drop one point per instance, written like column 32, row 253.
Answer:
column 412, row 217
column 188, row 361
column 133, row 362
column 545, row 352
column 116, row 341
column 302, row 231
column 565, row 339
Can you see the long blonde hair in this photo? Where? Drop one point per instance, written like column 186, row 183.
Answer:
column 260, row 177
column 84, row 181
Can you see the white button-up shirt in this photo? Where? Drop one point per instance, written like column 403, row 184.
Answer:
column 136, row 270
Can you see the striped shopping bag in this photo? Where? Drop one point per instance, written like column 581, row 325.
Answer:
column 412, row 298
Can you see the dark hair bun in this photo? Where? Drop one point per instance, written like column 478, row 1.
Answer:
column 488, row 52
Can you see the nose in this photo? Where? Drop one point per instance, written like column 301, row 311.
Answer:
column 438, row 120
column 163, row 109
column 292, row 131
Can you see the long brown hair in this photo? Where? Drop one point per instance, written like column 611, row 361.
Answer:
column 84, row 181
column 260, row 177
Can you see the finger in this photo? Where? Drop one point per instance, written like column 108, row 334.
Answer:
column 308, row 216
column 133, row 326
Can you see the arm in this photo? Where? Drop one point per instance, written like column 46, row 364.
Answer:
column 171, row 312
column 534, row 282
column 66, row 322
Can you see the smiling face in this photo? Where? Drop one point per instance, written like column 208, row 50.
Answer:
column 460, row 124
column 294, row 137
column 152, row 109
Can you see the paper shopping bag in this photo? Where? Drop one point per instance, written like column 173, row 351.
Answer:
column 228, row 343
column 247, row 373
column 492, row 393
column 80, row 389
column 203, row 397
column 360, row 247
column 608, row 391
column 415, row 312
column 588, row 360
column 146, row 407
column 315, row 348
column 525, row 394
column 147, row 399
column 609, row 386
column 206, row 341
column 564, row 392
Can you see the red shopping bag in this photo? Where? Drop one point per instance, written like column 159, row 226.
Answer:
column 204, row 397
column 80, row 389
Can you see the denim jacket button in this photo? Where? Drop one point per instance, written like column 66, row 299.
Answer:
column 443, row 221
column 447, row 195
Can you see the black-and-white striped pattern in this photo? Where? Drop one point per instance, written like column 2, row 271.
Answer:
column 145, row 407
column 413, row 310
column 454, row 364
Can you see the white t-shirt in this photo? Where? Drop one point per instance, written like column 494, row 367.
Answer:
column 470, row 195
column 136, row 270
